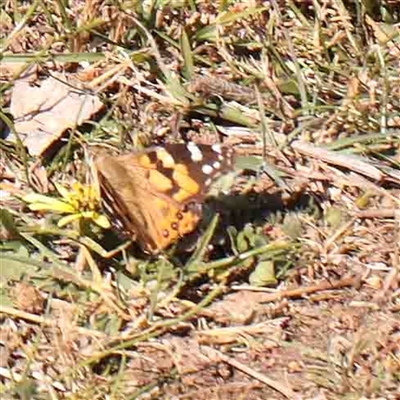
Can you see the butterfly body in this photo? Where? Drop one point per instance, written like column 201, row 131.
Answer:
column 155, row 195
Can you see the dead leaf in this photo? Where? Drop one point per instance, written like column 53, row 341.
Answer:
column 28, row 298
column 44, row 111
column 186, row 354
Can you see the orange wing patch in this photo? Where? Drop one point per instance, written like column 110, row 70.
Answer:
column 176, row 223
column 160, row 181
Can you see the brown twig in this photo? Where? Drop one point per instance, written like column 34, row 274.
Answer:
column 37, row 319
column 280, row 387
column 341, row 160
column 353, row 281
column 375, row 213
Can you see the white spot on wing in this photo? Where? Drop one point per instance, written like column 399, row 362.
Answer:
column 216, row 165
column 207, row 169
column 217, row 148
column 166, row 158
column 195, row 152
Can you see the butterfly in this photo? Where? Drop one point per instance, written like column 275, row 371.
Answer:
column 155, row 196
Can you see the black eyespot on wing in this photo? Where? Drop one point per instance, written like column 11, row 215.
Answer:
column 165, row 233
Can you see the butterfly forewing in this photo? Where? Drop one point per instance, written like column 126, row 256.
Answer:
column 118, row 196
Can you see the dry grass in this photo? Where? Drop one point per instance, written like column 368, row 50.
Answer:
column 294, row 291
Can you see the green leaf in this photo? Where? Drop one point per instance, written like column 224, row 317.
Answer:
column 334, row 217
column 264, row 274
column 292, row 226
column 68, row 219
column 197, row 256
column 176, row 90
column 43, row 250
column 209, row 32
column 57, row 206
column 7, row 220
column 13, row 269
column 102, row 221
column 251, row 163
column 188, row 69
column 39, row 202
column 226, row 112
